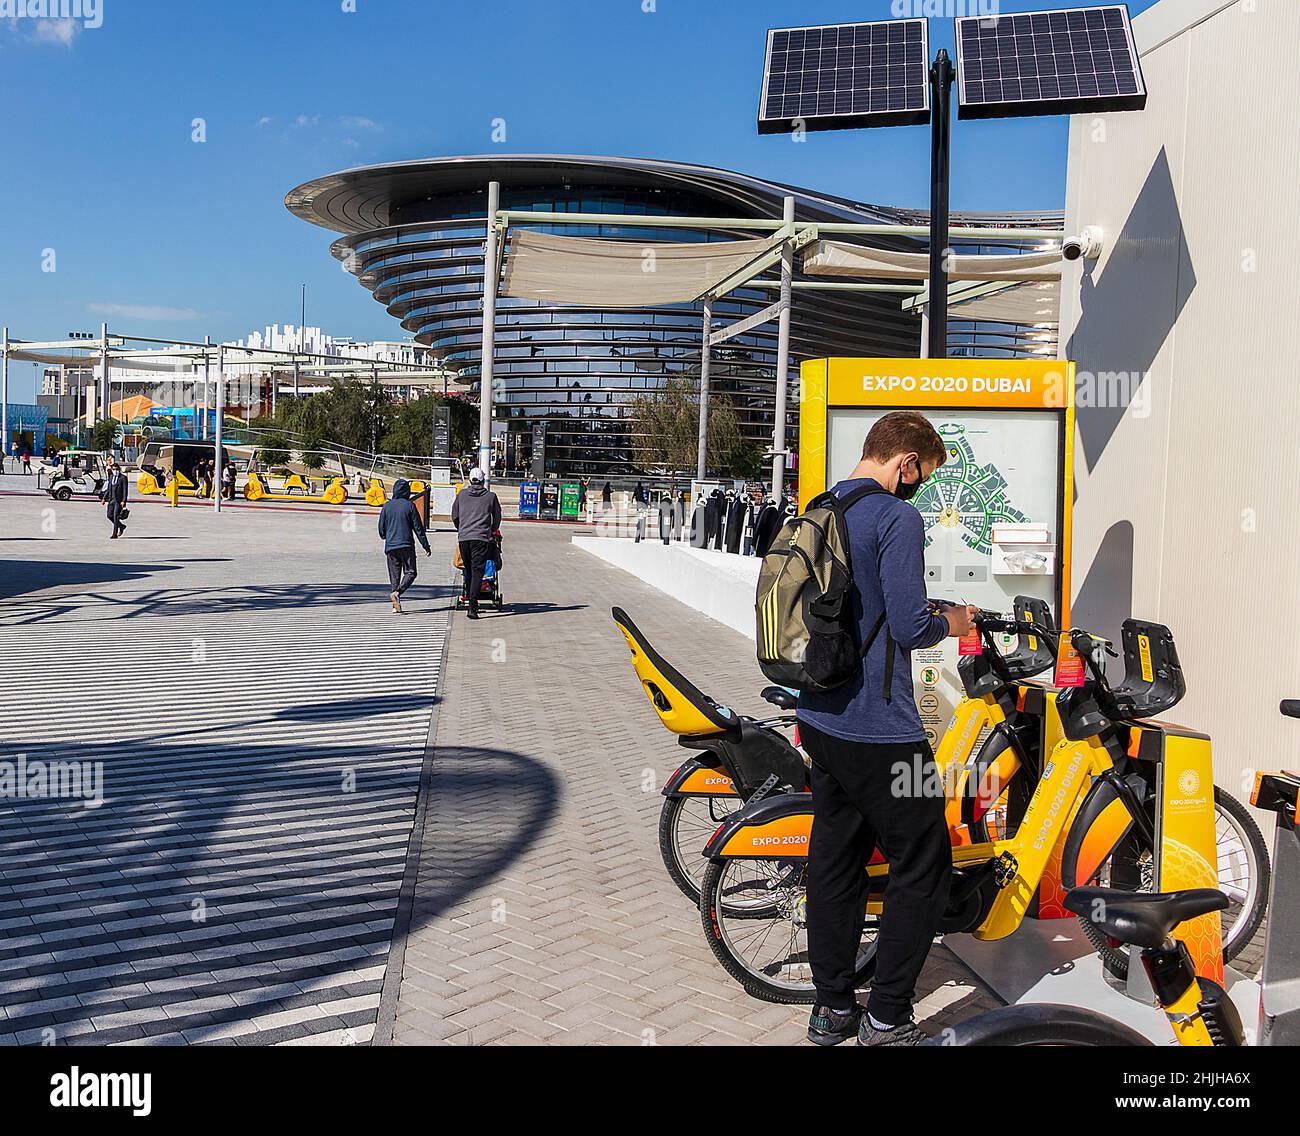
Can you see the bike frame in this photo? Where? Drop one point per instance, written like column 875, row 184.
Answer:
column 1078, row 781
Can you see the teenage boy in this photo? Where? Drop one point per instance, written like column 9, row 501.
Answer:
column 874, row 780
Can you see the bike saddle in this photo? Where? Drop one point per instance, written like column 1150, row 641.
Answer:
column 1144, row 919
column 779, row 696
column 1153, row 679
column 680, row 704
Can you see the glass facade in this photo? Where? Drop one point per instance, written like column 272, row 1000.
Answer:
column 577, row 368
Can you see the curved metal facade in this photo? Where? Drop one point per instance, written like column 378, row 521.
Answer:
column 414, row 235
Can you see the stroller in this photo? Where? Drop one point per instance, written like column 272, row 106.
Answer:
column 490, row 590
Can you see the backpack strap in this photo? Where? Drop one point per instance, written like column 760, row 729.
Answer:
column 829, row 500
column 889, row 654
column 844, row 504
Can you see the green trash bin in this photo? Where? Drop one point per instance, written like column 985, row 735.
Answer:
column 570, row 495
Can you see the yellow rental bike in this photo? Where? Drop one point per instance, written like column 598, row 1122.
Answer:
column 1199, row 1011
column 1103, row 788
column 737, row 759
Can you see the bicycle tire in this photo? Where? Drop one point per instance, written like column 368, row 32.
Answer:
column 669, row 818
column 1040, row 1023
column 1116, row 956
column 753, row 984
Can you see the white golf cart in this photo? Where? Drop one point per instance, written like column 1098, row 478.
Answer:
column 79, row 473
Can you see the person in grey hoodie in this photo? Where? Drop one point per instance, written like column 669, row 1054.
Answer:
column 400, row 527
column 476, row 513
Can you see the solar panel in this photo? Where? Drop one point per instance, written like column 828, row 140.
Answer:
column 1072, row 61
column 845, row 76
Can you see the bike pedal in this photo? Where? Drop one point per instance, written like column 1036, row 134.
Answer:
column 1005, row 869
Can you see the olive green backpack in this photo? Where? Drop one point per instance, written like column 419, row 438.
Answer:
column 807, row 634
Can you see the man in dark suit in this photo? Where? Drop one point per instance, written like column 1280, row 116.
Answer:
column 114, row 495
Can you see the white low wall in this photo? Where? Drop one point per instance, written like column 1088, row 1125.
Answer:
column 718, row 584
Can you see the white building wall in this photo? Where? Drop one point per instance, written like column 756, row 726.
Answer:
column 1198, row 286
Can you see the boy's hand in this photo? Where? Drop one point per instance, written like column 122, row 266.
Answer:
column 960, row 619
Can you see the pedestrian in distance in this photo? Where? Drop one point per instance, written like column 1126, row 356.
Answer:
column 2, row 458
column 606, row 496
column 476, row 513
column 114, row 497
column 27, row 460
column 873, row 774
column 400, row 527
column 228, row 481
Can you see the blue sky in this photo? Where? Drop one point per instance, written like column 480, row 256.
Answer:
column 160, row 234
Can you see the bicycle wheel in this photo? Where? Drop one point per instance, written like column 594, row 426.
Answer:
column 1039, row 1023
column 753, row 913
column 685, row 825
column 1243, row 876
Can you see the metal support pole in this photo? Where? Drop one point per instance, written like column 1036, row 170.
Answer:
column 203, row 429
column 105, row 393
column 491, row 273
column 295, row 375
column 220, row 427
column 706, row 358
column 4, row 394
column 941, row 80
column 783, row 357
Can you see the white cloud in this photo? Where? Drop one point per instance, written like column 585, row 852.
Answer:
column 306, row 120
column 56, row 30
column 144, row 311
column 59, row 31
column 360, row 122
column 265, row 120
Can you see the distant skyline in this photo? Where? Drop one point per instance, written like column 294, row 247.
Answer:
column 149, row 156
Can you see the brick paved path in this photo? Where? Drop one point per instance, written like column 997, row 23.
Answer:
column 542, row 910
column 261, row 719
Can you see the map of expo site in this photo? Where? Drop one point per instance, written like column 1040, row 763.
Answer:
column 962, row 493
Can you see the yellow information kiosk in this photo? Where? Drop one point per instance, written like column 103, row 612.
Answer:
column 997, row 513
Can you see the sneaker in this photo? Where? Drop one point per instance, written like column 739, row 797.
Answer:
column 905, row 1033
column 830, row 1027
column 397, row 602
column 472, row 614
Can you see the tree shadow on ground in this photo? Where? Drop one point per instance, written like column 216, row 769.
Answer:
column 294, row 854
column 23, row 576
column 94, row 606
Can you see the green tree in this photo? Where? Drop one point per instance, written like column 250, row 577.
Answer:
column 311, row 446
column 410, row 426
column 665, row 428
column 104, row 434
column 746, row 460
column 275, row 448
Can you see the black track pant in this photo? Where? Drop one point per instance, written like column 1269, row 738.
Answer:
column 866, row 796
column 473, row 554
column 401, row 569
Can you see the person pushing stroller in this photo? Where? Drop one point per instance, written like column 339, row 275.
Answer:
column 476, row 513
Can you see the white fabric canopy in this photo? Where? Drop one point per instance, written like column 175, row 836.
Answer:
column 1038, row 302
column 621, row 274
column 834, row 258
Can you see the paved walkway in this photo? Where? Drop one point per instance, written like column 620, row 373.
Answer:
column 543, row 912
column 262, row 725
column 259, row 719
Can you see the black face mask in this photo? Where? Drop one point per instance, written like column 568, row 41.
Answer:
column 905, row 491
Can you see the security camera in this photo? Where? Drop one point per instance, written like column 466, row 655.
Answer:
column 1086, row 246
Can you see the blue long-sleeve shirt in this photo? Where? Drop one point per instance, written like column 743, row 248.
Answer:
column 887, row 546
